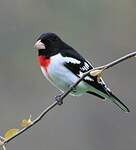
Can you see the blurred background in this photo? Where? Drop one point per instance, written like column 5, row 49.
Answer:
column 101, row 31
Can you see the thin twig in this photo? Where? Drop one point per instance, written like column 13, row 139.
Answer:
column 33, row 122
column 117, row 61
column 45, row 111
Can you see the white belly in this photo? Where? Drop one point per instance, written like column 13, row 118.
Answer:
column 63, row 78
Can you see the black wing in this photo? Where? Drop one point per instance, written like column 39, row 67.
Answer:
column 80, row 66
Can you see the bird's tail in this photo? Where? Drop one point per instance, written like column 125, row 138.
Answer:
column 118, row 102
column 112, row 98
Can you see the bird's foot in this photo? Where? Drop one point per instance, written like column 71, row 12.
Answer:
column 58, row 99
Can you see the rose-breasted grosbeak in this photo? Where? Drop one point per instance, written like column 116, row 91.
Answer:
column 63, row 66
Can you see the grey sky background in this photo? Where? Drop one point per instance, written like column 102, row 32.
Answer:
column 101, row 31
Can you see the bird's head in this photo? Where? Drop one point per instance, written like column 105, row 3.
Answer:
column 48, row 43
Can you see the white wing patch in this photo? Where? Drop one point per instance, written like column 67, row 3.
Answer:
column 59, row 59
column 80, row 74
column 72, row 60
column 86, row 78
column 85, row 67
column 105, row 85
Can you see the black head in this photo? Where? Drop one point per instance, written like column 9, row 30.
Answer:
column 49, row 44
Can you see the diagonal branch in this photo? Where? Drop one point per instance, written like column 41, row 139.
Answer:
column 94, row 72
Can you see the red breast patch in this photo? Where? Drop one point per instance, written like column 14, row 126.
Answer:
column 44, row 62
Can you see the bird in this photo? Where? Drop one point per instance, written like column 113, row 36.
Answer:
column 62, row 65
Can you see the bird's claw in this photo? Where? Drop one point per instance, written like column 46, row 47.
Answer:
column 58, row 99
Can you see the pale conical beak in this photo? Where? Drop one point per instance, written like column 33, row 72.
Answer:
column 39, row 45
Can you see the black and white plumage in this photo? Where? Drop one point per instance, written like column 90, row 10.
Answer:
column 63, row 66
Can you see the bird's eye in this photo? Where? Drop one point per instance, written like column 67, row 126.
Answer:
column 43, row 40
